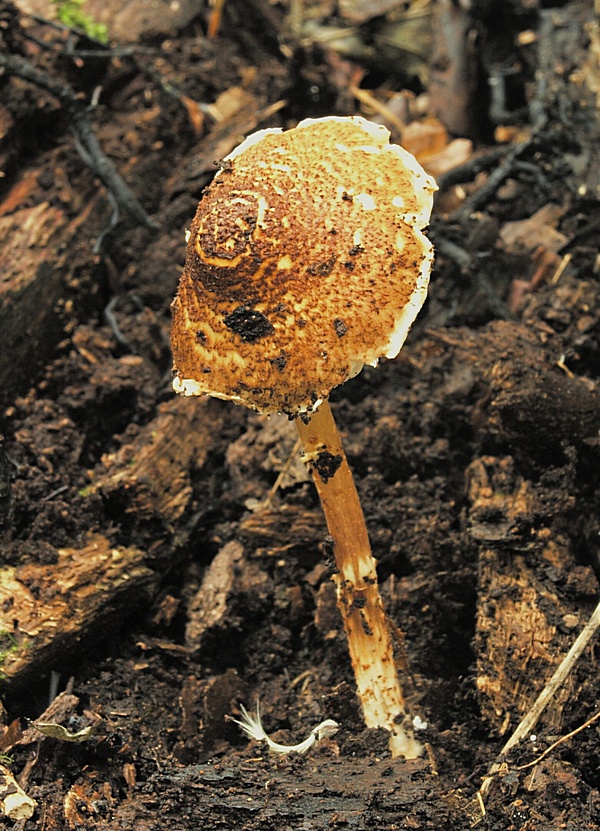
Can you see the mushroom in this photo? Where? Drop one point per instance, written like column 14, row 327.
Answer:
column 305, row 261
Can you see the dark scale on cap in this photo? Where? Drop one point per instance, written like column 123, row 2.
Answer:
column 249, row 324
column 280, row 361
column 322, row 269
column 340, row 327
column 223, row 164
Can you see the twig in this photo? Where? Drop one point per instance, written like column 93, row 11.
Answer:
column 56, row 492
column 102, row 50
column 469, row 266
column 483, row 194
column 470, row 169
column 561, row 268
column 87, row 144
column 111, row 320
column 365, row 97
column 215, row 19
column 282, row 474
column 555, row 744
column 528, row 723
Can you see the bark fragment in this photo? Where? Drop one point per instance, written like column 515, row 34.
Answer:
column 41, row 254
column 212, row 617
column 153, row 473
column 48, row 612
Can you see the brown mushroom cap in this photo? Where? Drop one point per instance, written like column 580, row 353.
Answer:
column 306, row 260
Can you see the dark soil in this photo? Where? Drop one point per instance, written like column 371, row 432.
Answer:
column 476, row 451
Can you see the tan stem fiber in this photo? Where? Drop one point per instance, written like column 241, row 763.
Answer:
column 365, row 622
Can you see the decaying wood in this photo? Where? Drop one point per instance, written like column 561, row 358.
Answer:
column 536, row 406
column 526, row 400
column 510, row 402
column 48, row 612
column 527, row 617
column 531, row 718
column 153, row 473
column 210, row 615
column 273, row 532
column 84, row 796
column 206, row 706
column 318, row 791
column 43, row 253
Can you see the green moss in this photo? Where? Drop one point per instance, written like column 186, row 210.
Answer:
column 8, row 646
column 71, row 13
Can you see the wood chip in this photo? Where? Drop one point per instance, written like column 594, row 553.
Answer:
column 14, row 802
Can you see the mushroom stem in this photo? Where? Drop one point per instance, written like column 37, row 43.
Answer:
column 366, row 624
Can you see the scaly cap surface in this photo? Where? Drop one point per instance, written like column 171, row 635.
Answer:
column 306, row 260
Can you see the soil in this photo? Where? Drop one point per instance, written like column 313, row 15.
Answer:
column 152, row 579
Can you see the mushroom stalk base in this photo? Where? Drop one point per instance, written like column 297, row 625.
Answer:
column 369, row 641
